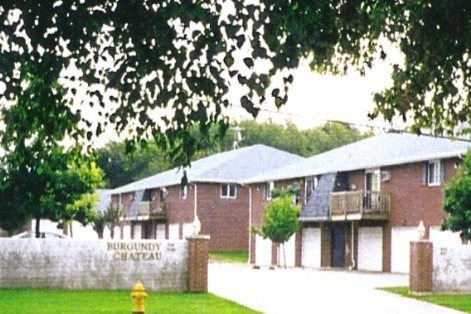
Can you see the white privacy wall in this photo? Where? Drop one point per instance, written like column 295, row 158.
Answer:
column 160, row 265
column 452, row 269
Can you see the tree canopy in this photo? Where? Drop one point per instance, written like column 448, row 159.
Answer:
column 457, row 201
column 40, row 173
column 155, row 68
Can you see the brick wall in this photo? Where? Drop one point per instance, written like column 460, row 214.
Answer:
column 198, row 256
column 226, row 220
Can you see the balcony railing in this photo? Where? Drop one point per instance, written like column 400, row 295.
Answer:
column 360, row 205
column 151, row 210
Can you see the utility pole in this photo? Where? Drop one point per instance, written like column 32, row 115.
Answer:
column 237, row 137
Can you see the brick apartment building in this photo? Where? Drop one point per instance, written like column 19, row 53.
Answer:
column 362, row 202
column 160, row 207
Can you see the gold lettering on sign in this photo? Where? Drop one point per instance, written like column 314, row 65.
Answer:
column 137, row 251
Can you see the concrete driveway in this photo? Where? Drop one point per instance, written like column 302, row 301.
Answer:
column 313, row 291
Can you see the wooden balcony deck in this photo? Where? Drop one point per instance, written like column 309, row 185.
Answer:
column 359, row 205
column 151, row 210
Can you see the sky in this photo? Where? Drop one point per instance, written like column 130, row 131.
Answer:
column 314, row 99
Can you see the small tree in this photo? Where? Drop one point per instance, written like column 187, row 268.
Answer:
column 457, row 201
column 112, row 216
column 99, row 224
column 281, row 220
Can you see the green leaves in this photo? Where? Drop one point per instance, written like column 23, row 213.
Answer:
column 40, row 175
column 457, row 203
column 281, row 220
column 170, row 55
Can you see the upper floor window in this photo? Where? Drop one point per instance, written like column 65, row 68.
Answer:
column 147, row 196
column 434, row 173
column 183, row 192
column 310, row 186
column 269, row 187
column 228, row 190
column 163, row 194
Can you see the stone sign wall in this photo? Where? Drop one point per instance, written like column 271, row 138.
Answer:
column 94, row 264
column 452, row 269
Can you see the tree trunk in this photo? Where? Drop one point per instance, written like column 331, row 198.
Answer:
column 112, row 231
column 284, row 254
column 38, row 223
column 71, row 230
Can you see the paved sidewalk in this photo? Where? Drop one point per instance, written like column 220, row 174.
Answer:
column 313, row 291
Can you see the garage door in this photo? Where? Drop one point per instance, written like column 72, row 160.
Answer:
column 289, row 252
column 174, row 232
column 370, row 248
column 137, row 232
column 444, row 238
column 400, row 248
column 262, row 251
column 311, row 247
column 160, row 232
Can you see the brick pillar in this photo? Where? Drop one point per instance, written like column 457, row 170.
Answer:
column 198, row 256
column 421, row 267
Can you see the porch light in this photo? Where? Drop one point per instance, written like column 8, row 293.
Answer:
column 421, row 229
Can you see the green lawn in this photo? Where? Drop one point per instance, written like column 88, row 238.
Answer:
column 230, row 257
column 461, row 302
column 16, row 301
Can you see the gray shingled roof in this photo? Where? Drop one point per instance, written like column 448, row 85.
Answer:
column 233, row 166
column 104, row 201
column 378, row 151
column 318, row 207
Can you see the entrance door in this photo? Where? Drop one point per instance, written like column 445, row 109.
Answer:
column 147, row 232
column 338, row 246
column 372, row 187
column 311, row 247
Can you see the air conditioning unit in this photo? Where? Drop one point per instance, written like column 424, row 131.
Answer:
column 385, row 176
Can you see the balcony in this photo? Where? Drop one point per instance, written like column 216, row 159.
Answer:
column 151, row 210
column 358, row 205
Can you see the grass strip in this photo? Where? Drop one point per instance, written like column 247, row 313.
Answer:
column 39, row 301
column 461, row 302
column 229, row 257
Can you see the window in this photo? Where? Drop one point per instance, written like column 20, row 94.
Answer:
column 269, row 187
column 434, row 173
column 163, row 194
column 147, row 197
column 228, row 190
column 310, row 186
column 183, row 191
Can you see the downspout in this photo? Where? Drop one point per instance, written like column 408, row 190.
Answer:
column 352, row 266
column 196, row 220
column 196, row 200
column 250, row 225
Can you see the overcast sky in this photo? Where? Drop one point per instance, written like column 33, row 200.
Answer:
column 315, row 99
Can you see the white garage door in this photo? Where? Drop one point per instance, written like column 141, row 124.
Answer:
column 311, row 247
column 400, row 248
column 444, row 238
column 174, row 232
column 289, row 252
column 370, row 248
column 137, row 232
column 126, row 232
column 160, row 232
column 262, row 251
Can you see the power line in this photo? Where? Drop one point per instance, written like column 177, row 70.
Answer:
column 351, row 124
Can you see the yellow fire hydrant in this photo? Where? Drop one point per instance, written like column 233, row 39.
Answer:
column 138, row 294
